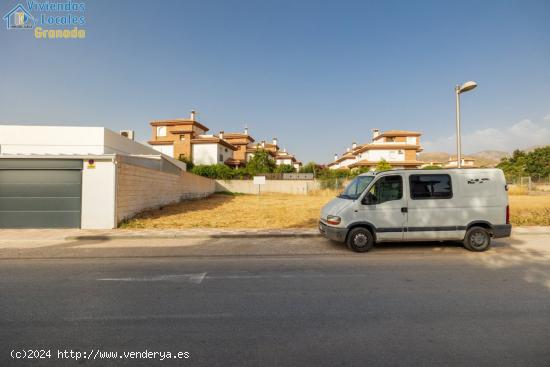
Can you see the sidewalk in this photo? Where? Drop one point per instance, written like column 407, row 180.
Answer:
column 89, row 234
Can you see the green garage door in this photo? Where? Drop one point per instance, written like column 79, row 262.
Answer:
column 40, row 193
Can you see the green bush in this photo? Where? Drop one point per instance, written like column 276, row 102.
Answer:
column 285, row 168
column 333, row 178
column 214, row 171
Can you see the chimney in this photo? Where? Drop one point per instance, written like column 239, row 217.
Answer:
column 354, row 145
column 347, row 150
column 263, row 143
column 245, row 130
column 284, row 150
column 274, row 141
column 375, row 133
column 192, row 116
column 127, row 134
column 220, row 135
column 336, row 157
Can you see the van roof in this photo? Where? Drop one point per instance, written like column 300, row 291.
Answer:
column 432, row 171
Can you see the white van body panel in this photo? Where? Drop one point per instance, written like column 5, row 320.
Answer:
column 478, row 196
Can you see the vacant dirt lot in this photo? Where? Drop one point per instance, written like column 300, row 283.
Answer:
column 288, row 211
column 239, row 211
column 530, row 210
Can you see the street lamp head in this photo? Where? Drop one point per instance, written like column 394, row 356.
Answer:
column 467, row 86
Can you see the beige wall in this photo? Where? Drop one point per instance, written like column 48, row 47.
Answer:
column 140, row 188
column 283, row 186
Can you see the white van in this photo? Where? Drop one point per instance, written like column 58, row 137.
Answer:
column 469, row 205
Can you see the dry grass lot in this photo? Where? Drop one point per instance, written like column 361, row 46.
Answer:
column 530, row 210
column 288, row 211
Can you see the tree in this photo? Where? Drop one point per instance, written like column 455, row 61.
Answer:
column 310, row 167
column 535, row 164
column 383, row 165
column 538, row 162
column 261, row 162
column 432, row 167
column 285, row 168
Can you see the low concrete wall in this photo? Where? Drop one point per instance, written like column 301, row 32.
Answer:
column 301, row 187
column 140, row 188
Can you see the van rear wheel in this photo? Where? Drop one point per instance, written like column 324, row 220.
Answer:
column 360, row 240
column 477, row 239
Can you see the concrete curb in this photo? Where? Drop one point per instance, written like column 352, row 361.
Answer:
column 182, row 235
column 306, row 233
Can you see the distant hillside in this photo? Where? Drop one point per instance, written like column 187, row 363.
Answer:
column 489, row 158
column 486, row 158
column 433, row 156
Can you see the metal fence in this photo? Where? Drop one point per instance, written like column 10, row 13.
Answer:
column 288, row 176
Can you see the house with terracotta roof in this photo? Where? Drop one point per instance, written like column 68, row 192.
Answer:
column 465, row 162
column 187, row 138
column 271, row 149
column 274, row 151
column 397, row 147
column 243, row 141
column 284, row 157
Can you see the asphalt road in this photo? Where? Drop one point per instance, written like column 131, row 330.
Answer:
column 396, row 306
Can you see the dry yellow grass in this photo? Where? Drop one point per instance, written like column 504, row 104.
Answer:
column 530, row 210
column 240, row 211
column 289, row 211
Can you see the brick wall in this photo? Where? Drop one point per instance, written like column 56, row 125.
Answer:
column 140, row 188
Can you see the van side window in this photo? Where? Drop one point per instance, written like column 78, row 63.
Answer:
column 431, row 187
column 387, row 188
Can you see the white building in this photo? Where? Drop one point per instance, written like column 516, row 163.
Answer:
column 397, row 147
column 283, row 157
column 84, row 177
column 210, row 149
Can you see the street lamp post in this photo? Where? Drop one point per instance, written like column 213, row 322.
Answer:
column 458, row 90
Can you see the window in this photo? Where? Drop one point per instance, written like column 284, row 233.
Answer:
column 161, row 130
column 182, row 137
column 431, row 187
column 387, row 188
column 390, row 139
column 221, row 157
column 356, row 187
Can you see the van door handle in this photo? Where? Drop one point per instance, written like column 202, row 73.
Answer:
column 404, row 210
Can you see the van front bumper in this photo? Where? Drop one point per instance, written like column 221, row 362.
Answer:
column 502, row 230
column 332, row 233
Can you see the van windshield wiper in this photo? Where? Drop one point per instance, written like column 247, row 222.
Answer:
column 344, row 196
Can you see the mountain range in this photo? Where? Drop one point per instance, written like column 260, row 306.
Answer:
column 485, row 158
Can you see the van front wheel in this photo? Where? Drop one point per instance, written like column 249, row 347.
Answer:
column 360, row 240
column 477, row 239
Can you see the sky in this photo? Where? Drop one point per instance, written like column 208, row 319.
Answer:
column 318, row 75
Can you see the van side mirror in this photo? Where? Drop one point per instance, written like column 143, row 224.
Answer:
column 369, row 199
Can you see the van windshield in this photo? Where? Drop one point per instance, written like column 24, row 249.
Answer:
column 356, row 187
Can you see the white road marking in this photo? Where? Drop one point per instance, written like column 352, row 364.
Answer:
column 198, row 278
column 195, row 278
column 151, row 317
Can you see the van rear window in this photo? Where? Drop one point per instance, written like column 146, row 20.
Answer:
column 430, row 186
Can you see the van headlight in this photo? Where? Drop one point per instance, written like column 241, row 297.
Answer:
column 333, row 219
